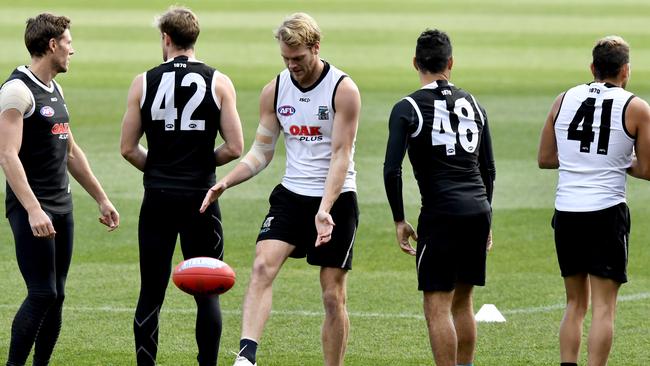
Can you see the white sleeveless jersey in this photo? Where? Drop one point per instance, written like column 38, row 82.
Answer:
column 594, row 147
column 306, row 117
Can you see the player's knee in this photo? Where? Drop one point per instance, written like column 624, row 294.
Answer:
column 43, row 297
column 262, row 271
column 577, row 307
column 461, row 304
column 334, row 301
column 603, row 311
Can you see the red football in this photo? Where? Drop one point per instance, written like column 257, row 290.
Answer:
column 202, row 276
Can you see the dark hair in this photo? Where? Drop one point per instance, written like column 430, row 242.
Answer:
column 433, row 51
column 181, row 25
column 41, row 29
column 609, row 55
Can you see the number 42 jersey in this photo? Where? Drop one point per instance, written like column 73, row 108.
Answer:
column 594, row 147
column 180, row 117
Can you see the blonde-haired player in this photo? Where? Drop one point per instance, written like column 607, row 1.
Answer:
column 314, row 210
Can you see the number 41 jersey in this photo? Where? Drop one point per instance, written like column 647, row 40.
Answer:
column 180, row 118
column 594, row 148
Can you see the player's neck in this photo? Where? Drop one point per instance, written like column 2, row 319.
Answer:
column 173, row 53
column 42, row 69
column 310, row 79
column 616, row 82
column 428, row 78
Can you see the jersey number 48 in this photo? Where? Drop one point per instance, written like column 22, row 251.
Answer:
column 443, row 134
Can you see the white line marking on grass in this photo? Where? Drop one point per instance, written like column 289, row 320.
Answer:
column 306, row 313
column 544, row 309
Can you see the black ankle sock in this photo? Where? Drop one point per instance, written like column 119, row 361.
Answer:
column 568, row 364
column 248, row 349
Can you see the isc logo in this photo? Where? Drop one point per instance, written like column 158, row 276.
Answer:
column 286, row 110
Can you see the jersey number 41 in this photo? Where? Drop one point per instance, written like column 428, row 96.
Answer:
column 585, row 115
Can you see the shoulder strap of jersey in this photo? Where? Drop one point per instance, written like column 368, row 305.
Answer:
column 275, row 96
column 417, row 111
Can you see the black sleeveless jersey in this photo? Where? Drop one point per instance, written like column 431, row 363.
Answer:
column 446, row 133
column 44, row 147
column 180, row 119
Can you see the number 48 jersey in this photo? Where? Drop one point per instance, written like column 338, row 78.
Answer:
column 448, row 141
column 594, row 147
column 180, row 118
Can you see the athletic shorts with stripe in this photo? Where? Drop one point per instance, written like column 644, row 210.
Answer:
column 291, row 219
column 593, row 242
column 451, row 249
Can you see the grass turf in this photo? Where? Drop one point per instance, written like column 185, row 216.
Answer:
column 514, row 56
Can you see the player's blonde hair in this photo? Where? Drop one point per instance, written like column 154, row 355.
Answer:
column 181, row 25
column 298, row 29
column 610, row 54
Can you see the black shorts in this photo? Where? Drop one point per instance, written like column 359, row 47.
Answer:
column 593, row 242
column 451, row 249
column 291, row 219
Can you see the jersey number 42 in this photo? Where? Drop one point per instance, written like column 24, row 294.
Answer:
column 163, row 108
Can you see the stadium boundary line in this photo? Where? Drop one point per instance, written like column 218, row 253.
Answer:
column 353, row 314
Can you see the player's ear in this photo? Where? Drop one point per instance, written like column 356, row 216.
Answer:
column 52, row 44
column 625, row 71
column 166, row 39
column 593, row 69
column 315, row 49
column 415, row 64
column 450, row 63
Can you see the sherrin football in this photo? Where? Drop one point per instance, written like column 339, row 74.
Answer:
column 202, row 276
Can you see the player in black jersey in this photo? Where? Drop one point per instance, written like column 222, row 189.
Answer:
column 36, row 152
column 446, row 134
column 180, row 106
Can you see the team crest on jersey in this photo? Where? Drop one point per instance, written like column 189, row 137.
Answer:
column 47, row 111
column 323, row 113
column 266, row 226
column 286, row 110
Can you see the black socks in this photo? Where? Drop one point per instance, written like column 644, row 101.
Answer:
column 248, row 349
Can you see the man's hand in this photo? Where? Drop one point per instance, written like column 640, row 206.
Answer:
column 324, row 226
column 109, row 215
column 489, row 241
column 41, row 224
column 213, row 194
column 404, row 232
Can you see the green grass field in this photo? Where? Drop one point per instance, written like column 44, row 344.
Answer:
column 514, row 56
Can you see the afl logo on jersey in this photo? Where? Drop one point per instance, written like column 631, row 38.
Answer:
column 47, row 111
column 286, row 110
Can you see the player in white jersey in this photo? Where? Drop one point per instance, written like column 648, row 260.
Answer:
column 316, row 107
column 595, row 134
